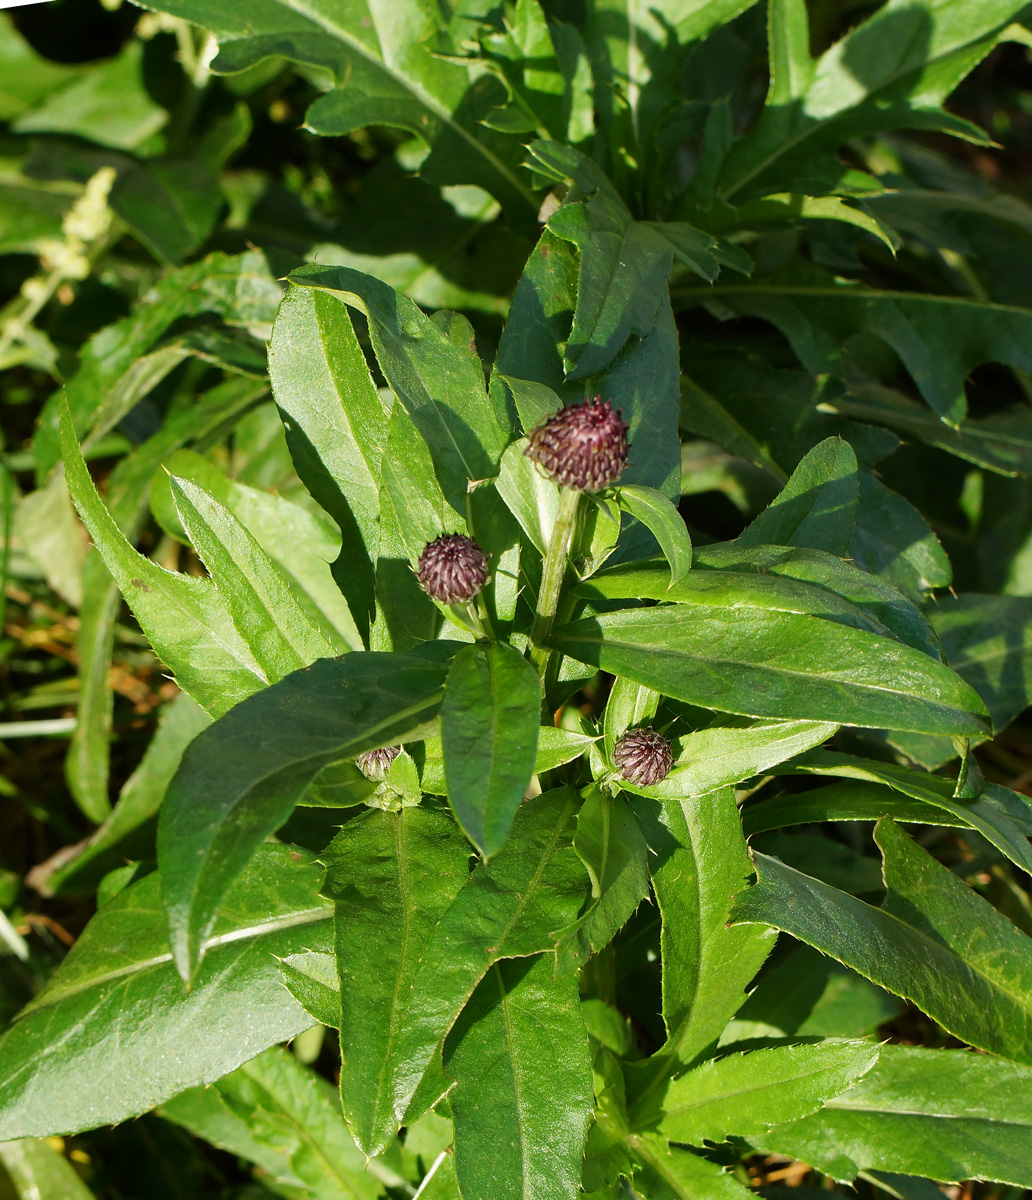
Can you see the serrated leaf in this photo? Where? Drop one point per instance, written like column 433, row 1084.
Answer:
column 240, row 779
column 392, row 877
column 817, row 507
column 947, row 1114
column 522, row 1100
column 489, row 728
column 666, row 524
column 113, row 1034
column 935, row 941
column 745, row 1094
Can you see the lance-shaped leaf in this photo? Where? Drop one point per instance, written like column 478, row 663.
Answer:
column 392, row 876
column 664, row 522
column 508, row 909
column 39, row 1171
column 523, row 1097
column 285, row 1119
column 701, row 862
column 439, row 381
column 753, row 652
column 261, row 603
column 336, row 427
column 489, row 728
column 673, row 1173
column 817, row 507
column 947, row 1114
column 113, row 1034
column 240, row 779
column 614, row 852
column 934, row 941
column 184, row 618
column 743, row 1094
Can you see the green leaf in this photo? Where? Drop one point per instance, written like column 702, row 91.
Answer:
column 939, row 339
column 673, row 1173
column 663, row 520
column 113, row 1034
column 489, row 727
column 790, row 207
column 240, row 779
column 700, row 863
column 947, row 1114
column 311, row 978
column 523, row 1097
column 107, row 103
column 765, row 658
column 285, row 1119
column 46, row 526
column 745, row 1094
column 27, row 76
column 392, row 876
column 892, row 71
column 171, row 206
column 817, row 507
column 509, row 908
column 609, row 843
column 440, row 383
column 729, row 753
column 184, row 618
column 935, row 941
column 39, row 1172
column 629, row 704
column 336, row 427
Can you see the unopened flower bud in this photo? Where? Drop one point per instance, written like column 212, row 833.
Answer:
column 583, row 446
column 375, row 764
column 452, row 568
column 643, row 756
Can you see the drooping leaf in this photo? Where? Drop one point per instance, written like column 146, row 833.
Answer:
column 240, row 779
column 285, row 1119
column 744, row 1094
column 935, row 941
column 664, row 522
column 817, row 507
column 947, row 1114
column 489, row 727
column 114, row 1034
column 392, row 876
column 523, row 1096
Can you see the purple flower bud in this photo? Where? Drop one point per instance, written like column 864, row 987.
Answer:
column 375, row 764
column 452, row 568
column 583, row 446
column 643, row 756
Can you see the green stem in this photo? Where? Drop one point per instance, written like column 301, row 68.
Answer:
column 553, row 569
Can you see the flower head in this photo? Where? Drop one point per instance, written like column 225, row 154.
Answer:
column 375, row 764
column 452, row 568
column 643, row 756
column 584, row 446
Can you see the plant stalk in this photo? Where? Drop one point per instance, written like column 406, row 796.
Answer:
column 553, row 569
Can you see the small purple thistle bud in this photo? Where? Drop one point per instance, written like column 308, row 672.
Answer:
column 375, row 764
column 452, row 568
column 643, row 756
column 584, row 446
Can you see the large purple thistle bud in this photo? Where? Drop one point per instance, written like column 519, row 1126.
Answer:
column 643, row 756
column 452, row 568
column 583, row 446
column 375, row 764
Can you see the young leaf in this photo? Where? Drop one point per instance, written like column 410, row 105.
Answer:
column 612, row 848
column 744, row 1094
column 947, row 1114
column 120, row 1034
column 489, row 727
column 285, row 1119
column 663, row 520
column 241, row 778
column 262, row 605
column 336, row 426
column 757, row 658
column 392, row 876
column 184, row 618
column 817, row 507
column 935, row 941
column 523, row 1096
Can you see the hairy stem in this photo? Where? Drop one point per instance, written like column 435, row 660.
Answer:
column 552, row 571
